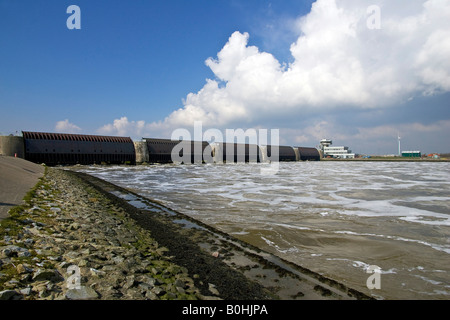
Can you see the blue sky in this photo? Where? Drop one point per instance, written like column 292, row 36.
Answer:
column 309, row 68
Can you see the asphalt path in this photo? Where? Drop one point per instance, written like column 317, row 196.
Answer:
column 17, row 177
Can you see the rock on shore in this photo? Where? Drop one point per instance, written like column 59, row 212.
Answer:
column 70, row 242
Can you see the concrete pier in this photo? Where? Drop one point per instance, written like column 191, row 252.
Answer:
column 12, row 146
column 142, row 155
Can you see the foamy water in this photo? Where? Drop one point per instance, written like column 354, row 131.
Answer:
column 336, row 218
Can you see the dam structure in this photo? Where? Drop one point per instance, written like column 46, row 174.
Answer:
column 70, row 149
column 53, row 149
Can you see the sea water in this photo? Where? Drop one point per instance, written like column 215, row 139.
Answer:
column 335, row 218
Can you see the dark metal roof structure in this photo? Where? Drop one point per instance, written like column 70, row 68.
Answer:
column 62, row 148
column 238, row 152
column 309, row 154
column 285, row 153
column 160, row 150
column 74, row 137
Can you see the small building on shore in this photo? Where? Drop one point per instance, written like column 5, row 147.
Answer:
column 411, row 154
column 339, row 152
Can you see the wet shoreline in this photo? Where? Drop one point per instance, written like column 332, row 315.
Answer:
column 284, row 280
column 336, row 218
column 157, row 256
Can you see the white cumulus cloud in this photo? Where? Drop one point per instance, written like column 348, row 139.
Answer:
column 338, row 62
column 123, row 127
column 65, row 126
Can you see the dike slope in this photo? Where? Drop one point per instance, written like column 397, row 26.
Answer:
column 80, row 237
column 17, row 177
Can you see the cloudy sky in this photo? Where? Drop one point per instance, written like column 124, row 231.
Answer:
column 355, row 71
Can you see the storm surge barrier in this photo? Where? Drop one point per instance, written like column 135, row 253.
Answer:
column 182, row 151
column 70, row 149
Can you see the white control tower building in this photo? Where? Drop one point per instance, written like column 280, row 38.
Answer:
column 335, row 152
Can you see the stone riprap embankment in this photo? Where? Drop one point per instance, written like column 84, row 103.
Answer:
column 70, row 242
column 80, row 237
